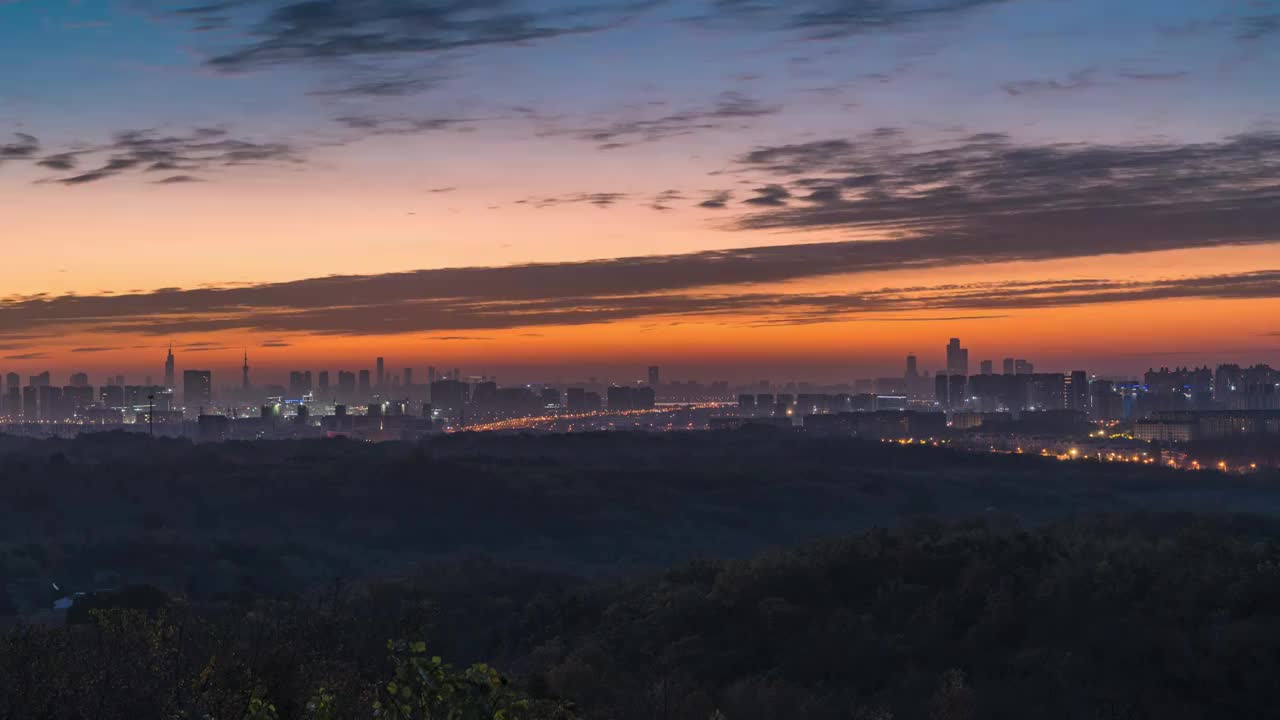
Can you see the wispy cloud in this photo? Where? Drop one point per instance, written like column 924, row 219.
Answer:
column 984, row 196
column 148, row 152
column 277, row 32
column 717, row 200
column 644, row 125
column 769, row 196
column 588, row 293
column 836, row 18
column 375, row 124
column 665, row 199
column 374, row 82
column 599, row 199
column 1258, row 27
column 1078, row 80
column 23, row 147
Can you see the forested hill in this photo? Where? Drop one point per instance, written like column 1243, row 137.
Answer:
column 1136, row 617
column 278, row 518
column 1169, row 617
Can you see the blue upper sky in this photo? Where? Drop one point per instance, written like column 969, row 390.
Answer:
column 77, row 70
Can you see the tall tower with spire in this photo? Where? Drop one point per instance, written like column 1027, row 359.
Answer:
column 245, row 370
column 168, row 369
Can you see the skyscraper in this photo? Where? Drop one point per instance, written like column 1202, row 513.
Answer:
column 1078, row 391
column 169, row 378
column 324, row 381
column 299, row 383
column 957, row 358
column 655, row 376
column 942, row 390
column 244, row 371
column 986, row 367
column 197, row 388
column 346, row 384
column 916, row 387
column 79, row 380
column 364, row 383
column 13, row 395
column 382, row 373
column 1008, row 366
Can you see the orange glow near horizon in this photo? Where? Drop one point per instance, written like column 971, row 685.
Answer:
column 1113, row 338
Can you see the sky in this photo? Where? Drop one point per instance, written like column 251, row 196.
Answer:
column 539, row 189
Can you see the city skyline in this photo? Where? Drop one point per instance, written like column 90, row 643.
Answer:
column 1022, row 408
column 378, row 374
column 776, row 187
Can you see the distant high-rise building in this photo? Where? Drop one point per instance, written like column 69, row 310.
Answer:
column 457, row 374
column 80, row 380
column 550, row 397
column 1078, row 391
column 364, row 382
column 49, row 400
column 382, row 373
column 197, row 388
column 484, row 393
column 957, row 358
column 30, row 405
column 169, row 378
column 13, row 396
column 1023, row 367
column 958, row 391
column 916, row 387
column 323, row 384
column 76, row 398
column 244, row 372
column 986, row 367
column 299, row 383
column 346, row 383
column 1008, row 366
column 431, row 374
column 625, row 397
column 1105, row 403
column 449, row 397
column 41, row 380
column 408, row 377
column 655, row 376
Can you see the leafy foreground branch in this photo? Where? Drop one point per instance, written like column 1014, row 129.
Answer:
column 127, row 664
column 427, row 687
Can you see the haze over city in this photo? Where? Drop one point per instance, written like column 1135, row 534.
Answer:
column 737, row 190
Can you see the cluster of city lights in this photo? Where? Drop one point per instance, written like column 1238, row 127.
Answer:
column 531, row 423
